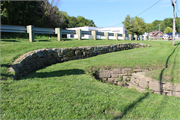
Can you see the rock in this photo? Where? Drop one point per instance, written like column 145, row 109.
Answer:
column 134, row 80
column 39, row 54
column 116, row 71
column 168, row 86
column 110, row 80
column 104, row 80
column 124, row 78
column 137, row 88
column 155, row 85
column 104, row 73
column 115, row 75
column 176, row 88
column 143, row 84
column 176, row 94
column 27, row 67
column 137, row 70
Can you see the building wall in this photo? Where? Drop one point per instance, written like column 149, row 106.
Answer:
column 120, row 30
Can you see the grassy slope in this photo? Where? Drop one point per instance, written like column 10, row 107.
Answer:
column 67, row 91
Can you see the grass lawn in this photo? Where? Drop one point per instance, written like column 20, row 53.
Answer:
column 67, row 91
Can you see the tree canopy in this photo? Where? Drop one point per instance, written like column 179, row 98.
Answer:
column 137, row 25
column 40, row 14
column 134, row 25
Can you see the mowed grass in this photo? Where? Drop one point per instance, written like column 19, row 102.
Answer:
column 67, row 91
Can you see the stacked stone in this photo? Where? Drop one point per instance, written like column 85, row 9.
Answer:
column 141, row 83
column 119, row 77
column 136, row 78
column 44, row 57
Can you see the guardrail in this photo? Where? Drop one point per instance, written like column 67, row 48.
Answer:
column 31, row 30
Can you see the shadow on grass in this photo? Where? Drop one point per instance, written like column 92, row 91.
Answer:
column 10, row 40
column 58, row 73
column 129, row 107
column 43, row 40
column 69, row 39
column 162, row 71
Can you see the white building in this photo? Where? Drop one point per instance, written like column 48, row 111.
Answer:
column 120, row 30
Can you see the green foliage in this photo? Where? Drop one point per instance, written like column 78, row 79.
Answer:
column 168, row 30
column 134, row 25
column 165, row 25
column 39, row 14
column 66, row 91
column 133, row 88
column 120, row 78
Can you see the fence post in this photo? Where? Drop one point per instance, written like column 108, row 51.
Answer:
column 59, row 34
column 135, row 37
column 150, row 38
column 107, row 35
column 145, row 37
column 94, row 35
column 78, row 32
column 116, row 35
column 124, row 36
column 30, row 30
column 130, row 37
column 141, row 37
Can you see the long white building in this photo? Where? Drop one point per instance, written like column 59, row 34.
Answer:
column 120, row 30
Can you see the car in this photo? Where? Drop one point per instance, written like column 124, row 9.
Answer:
column 170, row 39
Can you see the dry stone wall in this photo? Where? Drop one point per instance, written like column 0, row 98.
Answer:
column 44, row 57
column 135, row 78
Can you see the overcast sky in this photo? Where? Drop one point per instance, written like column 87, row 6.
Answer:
column 111, row 13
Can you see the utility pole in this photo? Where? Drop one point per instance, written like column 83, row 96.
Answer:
column 159, row 31
column 174, row 20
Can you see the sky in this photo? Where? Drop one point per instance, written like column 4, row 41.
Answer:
column 111, row 13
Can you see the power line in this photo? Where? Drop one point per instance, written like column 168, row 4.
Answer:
column 138, row 14
column 148, row 8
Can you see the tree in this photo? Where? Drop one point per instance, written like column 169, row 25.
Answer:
column 134, row 25
column 72, row 22
column 148, row 27
column 21, row 12
column 178, row 24
column 53, row 18
column 168, row 30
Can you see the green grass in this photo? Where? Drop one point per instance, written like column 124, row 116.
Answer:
column 67, row 91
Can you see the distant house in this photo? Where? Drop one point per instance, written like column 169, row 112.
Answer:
column 165, row 36
column 156, row 34
column 170, row 35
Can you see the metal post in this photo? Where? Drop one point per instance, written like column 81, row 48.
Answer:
column 30, row 30
column 59, row 34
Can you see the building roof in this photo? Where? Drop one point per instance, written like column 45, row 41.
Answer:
column 153, row 33
column 172, row 33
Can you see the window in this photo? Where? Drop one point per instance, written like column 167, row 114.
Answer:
column 115, row 30
column 72, row 36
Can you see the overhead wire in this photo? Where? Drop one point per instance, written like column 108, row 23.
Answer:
column 148, row 8
column 138, row 14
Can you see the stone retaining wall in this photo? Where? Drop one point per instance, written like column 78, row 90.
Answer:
column 135, row 78
column 142, row 82
column 44, row 57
